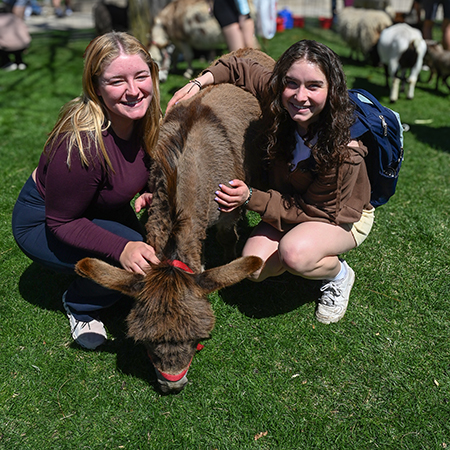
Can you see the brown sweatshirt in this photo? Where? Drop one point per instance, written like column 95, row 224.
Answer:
column 337, row 197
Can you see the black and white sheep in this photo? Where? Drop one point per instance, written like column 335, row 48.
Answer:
column 401, row 48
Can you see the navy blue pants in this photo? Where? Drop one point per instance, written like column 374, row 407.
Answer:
column 84, row 297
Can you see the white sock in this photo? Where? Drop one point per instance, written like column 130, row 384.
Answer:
column 342, row 272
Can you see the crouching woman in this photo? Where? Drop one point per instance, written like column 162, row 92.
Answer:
column 76, row 203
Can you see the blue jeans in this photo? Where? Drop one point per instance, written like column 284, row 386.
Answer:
column 84, row 297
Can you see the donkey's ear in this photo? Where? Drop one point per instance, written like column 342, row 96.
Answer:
column 110, row 277
column 220, row 277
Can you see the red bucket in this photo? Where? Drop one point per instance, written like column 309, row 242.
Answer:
column 299, row 22
column 280, row 24
column 325, row 22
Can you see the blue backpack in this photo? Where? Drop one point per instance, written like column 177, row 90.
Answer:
column 381, row 131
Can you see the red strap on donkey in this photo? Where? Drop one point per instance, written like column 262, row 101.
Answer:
column 178, row 376
column 181, row 265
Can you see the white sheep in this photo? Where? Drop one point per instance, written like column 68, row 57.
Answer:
column 400, row 48
column 361, row 28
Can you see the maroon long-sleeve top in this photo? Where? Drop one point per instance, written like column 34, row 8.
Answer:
column 75, row 195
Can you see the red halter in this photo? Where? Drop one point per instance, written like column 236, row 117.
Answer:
column 178, row 376
column 181, row 265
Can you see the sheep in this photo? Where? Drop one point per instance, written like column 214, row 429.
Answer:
column 438, row 60
column 188, row 25
column 384, row 5
column 361, row 28
column 401, row 47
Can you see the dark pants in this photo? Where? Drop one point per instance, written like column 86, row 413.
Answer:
column 84, row 297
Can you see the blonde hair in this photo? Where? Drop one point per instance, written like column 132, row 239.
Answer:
column 87, row 113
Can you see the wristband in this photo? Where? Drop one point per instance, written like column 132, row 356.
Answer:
column 197, row 83
column 250, row 192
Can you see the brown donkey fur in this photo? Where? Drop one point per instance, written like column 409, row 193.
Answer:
column 203, row 142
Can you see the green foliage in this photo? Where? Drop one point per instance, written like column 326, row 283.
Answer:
column 270, row 377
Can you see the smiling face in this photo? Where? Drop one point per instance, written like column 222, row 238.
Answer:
column 126, row 89
column 305, row 94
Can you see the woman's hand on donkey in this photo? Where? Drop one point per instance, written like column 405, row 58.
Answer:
column 233, row 196
column 136, row 257
column 143, row 201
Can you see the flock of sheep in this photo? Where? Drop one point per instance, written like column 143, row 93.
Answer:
column 185, row 26
column 399, row 47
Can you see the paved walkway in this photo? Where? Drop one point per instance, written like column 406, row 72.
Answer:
column 48, row 21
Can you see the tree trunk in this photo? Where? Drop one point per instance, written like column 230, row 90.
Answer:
column 139, row 20
column 141, row 14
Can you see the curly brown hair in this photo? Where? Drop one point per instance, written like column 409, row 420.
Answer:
column 333, row 125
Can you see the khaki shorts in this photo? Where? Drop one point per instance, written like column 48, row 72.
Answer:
column 361, row 229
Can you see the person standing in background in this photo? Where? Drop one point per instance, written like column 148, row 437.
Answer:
column 236, row 22
column 17, row 7
column 430, row 7
column 14, row 40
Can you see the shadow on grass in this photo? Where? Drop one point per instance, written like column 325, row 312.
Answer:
column 273, row 296
column 44, row 288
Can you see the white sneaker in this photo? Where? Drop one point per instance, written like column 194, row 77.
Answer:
column 87, row 334
column 334, row 300
column 9, row 67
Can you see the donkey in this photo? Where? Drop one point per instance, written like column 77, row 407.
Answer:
column 203, row 141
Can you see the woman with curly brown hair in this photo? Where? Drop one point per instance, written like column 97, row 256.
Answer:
column 318, row 202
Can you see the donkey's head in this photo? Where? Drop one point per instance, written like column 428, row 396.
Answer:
column 171, row 314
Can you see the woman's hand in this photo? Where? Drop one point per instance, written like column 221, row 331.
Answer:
column 136, row 256
column 230, row 198
column 143, row 201
column 190, row 89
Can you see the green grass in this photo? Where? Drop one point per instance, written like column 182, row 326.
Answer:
column 270, row 377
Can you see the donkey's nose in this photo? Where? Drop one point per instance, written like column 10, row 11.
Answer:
column 172, row 387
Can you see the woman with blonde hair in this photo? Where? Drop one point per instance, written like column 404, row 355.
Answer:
column 96, row 160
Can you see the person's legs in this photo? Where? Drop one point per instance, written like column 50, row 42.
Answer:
column 247, row 26
column 430, row 8
column 19, row 11
column 446, row 25
column 4, row 59
column 264, row 242
column 84, row 298
column 17, row 7
column 227, row 14
column 309, row 250
column 427, row 29
column 233, row 37
column 446, row 34
column 19, row 60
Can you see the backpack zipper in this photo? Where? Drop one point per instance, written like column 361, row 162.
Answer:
column 384, row 125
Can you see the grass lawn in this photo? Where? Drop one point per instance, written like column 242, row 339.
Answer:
column 271, row 376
